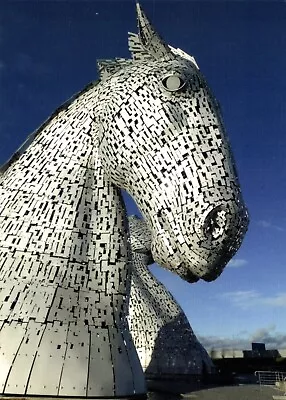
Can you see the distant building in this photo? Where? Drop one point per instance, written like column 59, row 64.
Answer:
column 258, row 351
column 259, row 347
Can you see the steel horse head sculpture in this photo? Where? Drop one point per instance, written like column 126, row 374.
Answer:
column 150, row 125
column 172, row 155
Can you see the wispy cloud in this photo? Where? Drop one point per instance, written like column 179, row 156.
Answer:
column 269, row 225
column 246, row 299
column 237, row 262
column 243, row 340
column 26, row 64
column 220, row 342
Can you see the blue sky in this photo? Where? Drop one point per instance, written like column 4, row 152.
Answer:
column 49, row 51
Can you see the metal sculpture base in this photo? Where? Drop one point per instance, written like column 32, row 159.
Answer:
column 66, row 360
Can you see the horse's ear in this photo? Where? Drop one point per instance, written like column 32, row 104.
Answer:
column 148, row 44
column 136, row 48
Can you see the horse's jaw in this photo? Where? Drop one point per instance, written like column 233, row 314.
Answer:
column 189, row 271
column 193, row 257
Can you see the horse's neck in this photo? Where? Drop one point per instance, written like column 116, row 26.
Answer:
column 146, row 286
column 64, row 269
column 67, row 140
column 57, row 202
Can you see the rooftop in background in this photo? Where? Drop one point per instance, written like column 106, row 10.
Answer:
column 231, row 353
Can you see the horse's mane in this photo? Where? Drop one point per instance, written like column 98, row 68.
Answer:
column 106, row 68
column 34, row 134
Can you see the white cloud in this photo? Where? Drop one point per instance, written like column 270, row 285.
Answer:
column 278, row 300
column 268, row 225
column 246, row 299
column 243, row 340
column 264, row 224
column 261, row 333
column 237, row 262
column 220, row 342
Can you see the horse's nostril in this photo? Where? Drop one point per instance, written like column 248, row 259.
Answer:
column 215, row 223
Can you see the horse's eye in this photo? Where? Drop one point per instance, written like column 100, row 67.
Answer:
column 173, row 83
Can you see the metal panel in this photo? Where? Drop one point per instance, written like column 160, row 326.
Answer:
column 65, row 300
column 100, row 374
column 46, row 372
column 11, row 336
column 121, row 364
column 75, row 369
column 10, row 298
column 138, row 376
column 19, row 374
